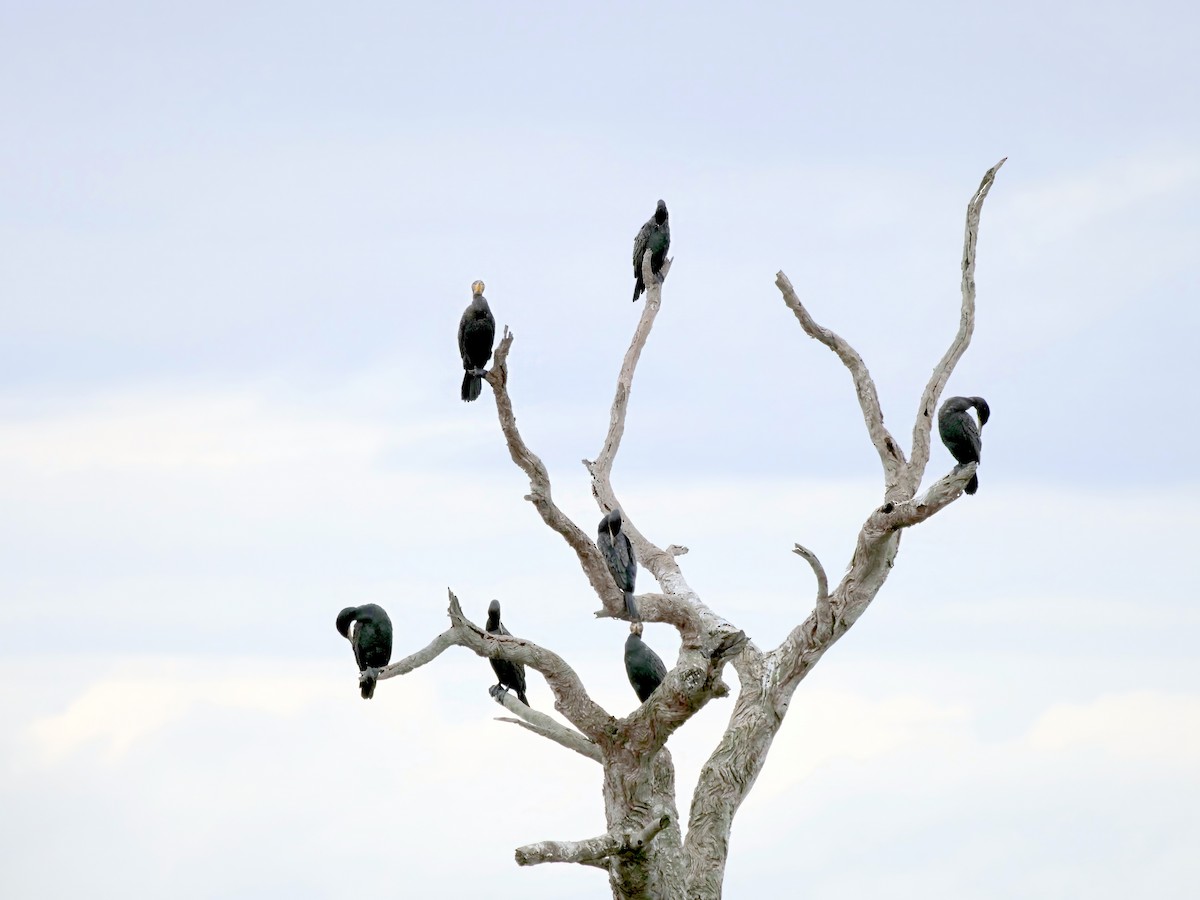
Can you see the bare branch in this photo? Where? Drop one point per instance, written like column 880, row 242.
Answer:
column 966, row 327
column 570, row 697
column 592, row 850
column 874, row 555
column 941, row 494
column 676, row 606
column 540, row 723
column 539, row 487
column 601, row 469
column 890, row 453
column 402, row 667
column 648, row 554
column 822, row 610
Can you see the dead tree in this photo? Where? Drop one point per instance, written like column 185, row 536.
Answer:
column 644, row 851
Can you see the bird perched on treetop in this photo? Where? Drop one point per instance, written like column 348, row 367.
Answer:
column 510, row 674
column 369, row 631
column 960, row 434
column 655, row 237
column 618, row 554
column 476, row 332
column 643, row 666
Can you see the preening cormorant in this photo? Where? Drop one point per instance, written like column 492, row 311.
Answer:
column 959, row 432
column 654, row 236
column 643, row 666
column 369, row 631
column 510, row 674
column 618, row 553
column 476, row 331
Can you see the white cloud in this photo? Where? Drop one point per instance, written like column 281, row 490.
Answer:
column 1149, row 728
column 114, row 713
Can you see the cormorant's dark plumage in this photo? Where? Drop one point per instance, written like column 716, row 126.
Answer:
column 369, row 631
column 643, row 666
column 509, row 674
column 654, row 236
column 476, row 332
column 960, row 434
column 618, row 553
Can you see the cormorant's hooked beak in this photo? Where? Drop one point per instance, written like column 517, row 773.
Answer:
column 476, row 287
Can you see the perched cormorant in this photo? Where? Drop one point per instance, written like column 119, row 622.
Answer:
column 643, row 666
column 618, row 553
column 369, row 631
column 654, row 236
column 510, row 674
column 960, row 434
column 476, row 331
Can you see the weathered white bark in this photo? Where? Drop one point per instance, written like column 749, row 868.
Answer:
column 643, row 850
column 570, row 697
column 593, row 850
column 540, row 723
column 730, row 772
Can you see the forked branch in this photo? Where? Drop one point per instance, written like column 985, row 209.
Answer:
column 539, row 487
column 923, row 426
column 660, row 564
column 570, row 697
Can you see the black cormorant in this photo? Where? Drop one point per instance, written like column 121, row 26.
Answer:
column 960, row 434
column 618, row 553
column 476, row 331
column 654, row 236
column 643, row 666
column 510, row 674
column 369, row 631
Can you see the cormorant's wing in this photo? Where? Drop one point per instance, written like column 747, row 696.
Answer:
column 626, row 560
column 971, row 434
column 640, row 243
column 356, row 643
column 609, row 551
column 462, row 333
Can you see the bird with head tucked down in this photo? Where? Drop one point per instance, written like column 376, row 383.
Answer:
column 960, row 434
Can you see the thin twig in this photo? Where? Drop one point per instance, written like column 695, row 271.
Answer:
column 822, row 608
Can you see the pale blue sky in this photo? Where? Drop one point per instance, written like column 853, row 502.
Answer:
column 235, row 242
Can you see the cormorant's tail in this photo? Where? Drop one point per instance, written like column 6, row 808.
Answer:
column 368, row 684
column 631, row 607
column 522, row 698
column 472, row 386
column 637, row 289
column 972, row 485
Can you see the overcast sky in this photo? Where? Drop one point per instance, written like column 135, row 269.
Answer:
column 235, row 242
